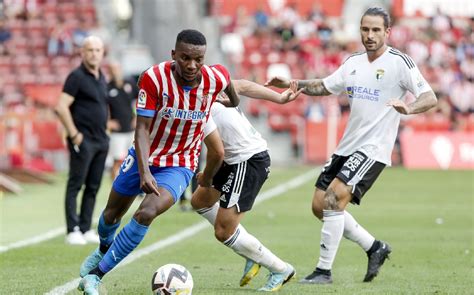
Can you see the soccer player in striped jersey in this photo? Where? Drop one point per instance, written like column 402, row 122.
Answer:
column 375, row 82
column 173, row 106
column 236, row 185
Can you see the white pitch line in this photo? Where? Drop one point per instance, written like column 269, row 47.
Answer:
column 190, row 231
column 51, row 234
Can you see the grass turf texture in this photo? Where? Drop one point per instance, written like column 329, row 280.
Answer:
column 426, row 216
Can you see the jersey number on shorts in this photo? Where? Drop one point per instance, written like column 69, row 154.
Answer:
column 127, row 163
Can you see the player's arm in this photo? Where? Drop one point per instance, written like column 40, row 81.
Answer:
column 254, row 90
column 214, row 159
column 424, row 102
column 64, row 114
column 142, row 147
column 232, row 94
column 314, row 87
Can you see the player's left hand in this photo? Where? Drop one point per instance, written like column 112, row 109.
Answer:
column 291, row 93
column 400, row 106
column 203, row 180
column 224, row 99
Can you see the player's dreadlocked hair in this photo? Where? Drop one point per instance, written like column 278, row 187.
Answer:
column 378, row 11
column 193, row 37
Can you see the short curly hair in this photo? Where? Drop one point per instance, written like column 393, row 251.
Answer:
column 193, row 37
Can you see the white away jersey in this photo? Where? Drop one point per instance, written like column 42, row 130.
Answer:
column 241, row 140
column 372, row 125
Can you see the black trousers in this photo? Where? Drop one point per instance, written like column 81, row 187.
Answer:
column 86, row 167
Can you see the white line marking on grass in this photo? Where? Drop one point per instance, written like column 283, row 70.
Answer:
column 34, row 240
column 190, row 231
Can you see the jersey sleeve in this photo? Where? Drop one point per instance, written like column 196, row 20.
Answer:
column 413, row 80
column 210, row 126
column 71, row 86
column 334, row 83
column 147, row 100
column 224, row 72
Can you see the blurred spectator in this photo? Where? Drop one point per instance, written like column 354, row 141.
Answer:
column 440, row 22
column 325, row 32
column 60, row 40
column 80, row 33
column 5, row 36
column 260, row 17
column 304, row 28
column 121, row 96
column 462, row 96
column 289, row 15
column 316, row 14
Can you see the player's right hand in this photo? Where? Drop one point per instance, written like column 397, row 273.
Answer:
column 77, row 140
column 278, row 81
column 148, row 184
column 291, row 93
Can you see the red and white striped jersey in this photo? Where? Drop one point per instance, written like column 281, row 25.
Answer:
column 179, row 113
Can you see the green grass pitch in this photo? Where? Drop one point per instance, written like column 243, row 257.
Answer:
column 426, row 216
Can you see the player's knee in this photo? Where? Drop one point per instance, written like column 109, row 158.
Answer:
column 221, row 233
column 145, row 216
column 110, row 216
column 318, row 203
column 195, row 203
column 318, row 210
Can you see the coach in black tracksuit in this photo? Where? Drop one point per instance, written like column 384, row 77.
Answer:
column 83, row 110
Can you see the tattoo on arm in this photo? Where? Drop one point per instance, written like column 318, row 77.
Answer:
column 313, row 87
column 424, row 102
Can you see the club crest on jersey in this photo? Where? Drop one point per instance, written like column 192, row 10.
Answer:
column 167, row 113
column 419, row 81
column 205, row 97
column 141, row 103
column 379, row 74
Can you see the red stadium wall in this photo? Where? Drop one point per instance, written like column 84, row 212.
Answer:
column 316, row 148
column 435, row 150
column 226, row 7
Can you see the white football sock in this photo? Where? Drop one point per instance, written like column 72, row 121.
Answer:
column 248, row 246
column 356, row 233
column 331, row 234
column 209, row 213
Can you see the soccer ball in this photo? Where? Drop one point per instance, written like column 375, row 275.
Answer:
column 172, row 279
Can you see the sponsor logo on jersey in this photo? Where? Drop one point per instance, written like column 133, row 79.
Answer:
column 360, row 92
column 189, row 115
column 379, row 74
column 141, row 99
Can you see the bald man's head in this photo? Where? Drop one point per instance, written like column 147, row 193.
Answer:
column 92, row 52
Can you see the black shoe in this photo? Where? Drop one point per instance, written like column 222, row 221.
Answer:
column 318, row 276
column 376, row 260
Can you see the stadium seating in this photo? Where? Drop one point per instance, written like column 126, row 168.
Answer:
column 32, row 78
